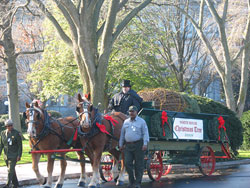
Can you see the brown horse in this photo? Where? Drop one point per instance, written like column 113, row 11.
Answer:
column 46, row 133
column 96, row 141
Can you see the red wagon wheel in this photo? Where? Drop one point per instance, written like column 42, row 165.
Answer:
column 106, row 167
column 155, row 166
column 166, row 167
column 207, row 161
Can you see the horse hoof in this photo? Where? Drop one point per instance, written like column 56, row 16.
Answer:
column 46, row 186
column 115, row 180
column 45, row 181
column 81, row 184
column 91, row 186
column 119, row 183
column 59, row 186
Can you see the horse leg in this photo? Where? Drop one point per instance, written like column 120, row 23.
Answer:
column 60, row 180
column 82, row 180
column 95, row 180
column 121, row 178
column 115, row 170
column 50, row 166
column 35, row 160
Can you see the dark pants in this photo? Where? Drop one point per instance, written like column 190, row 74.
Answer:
column 134, row 162
column 12, row 178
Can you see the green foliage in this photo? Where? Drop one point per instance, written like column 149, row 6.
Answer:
column 245, row 120
column 57, row 72
column 233, row 124
column 134, row 57
column 6, row 116
column 193, row 106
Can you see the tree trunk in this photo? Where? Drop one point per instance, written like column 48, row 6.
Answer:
column 228, row 89
column 82, row 69
column 244, row 81
column 11, row 79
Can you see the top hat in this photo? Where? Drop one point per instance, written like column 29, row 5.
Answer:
column 126, row 83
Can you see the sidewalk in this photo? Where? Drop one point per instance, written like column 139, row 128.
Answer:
column 26, row 175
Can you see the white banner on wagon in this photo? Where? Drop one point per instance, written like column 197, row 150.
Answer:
column 188, row 129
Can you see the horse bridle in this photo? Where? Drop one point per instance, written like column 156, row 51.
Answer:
column 85, row 111
column 32, row 110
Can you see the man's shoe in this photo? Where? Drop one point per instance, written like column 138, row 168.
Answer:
column 138, row 186
column 130, row 186
column 5, row 186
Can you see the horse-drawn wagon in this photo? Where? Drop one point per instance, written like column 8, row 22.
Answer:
column 175, row 138
column 180, row 138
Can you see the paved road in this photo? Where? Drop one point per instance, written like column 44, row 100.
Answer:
column 235, row 177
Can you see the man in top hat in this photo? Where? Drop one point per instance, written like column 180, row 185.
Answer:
column 134, row 140
column 11, row 143
column 123, row 100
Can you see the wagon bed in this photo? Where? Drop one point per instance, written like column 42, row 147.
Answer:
column 183, row 138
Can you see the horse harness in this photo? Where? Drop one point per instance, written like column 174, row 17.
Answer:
column 95, row 130
column 47, row 129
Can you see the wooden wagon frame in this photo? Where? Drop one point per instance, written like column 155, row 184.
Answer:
column 166, row 147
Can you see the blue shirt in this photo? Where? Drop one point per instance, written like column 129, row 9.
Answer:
column 134, row 130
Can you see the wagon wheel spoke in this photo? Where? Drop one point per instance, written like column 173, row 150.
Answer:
column 166, row 167
column 207, row 161
column 155, row 166
column 106, row 167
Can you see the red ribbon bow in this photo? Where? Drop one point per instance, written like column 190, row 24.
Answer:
column 109, row 118
column 221, row 125
column 164, row 119
column 102, row 128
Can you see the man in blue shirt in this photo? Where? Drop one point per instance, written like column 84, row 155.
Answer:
column 134, row 140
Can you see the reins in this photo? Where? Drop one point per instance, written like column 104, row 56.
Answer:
column 47, row 129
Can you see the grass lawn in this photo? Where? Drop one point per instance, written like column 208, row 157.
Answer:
column 243, row 154
column 26, row 156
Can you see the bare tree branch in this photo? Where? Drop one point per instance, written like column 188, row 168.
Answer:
column 224, row 16
column 201, row 13
column 96, row 15
column 122, row 4
column 29, row 52
column 1, row 57
column 68, row 18
column 109, row 25
column 12, row 16
column 213, row 11
column 59, row 29
column 240, row 52
column 126, row 20
column 71, row 10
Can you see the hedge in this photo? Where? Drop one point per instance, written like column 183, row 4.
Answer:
column 245, row 120
column 233, row 124
column 3, row 117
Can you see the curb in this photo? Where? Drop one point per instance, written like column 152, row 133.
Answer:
column 219, row 165
column 35, row 182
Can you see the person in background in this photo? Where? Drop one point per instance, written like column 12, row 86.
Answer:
column 11, row 143
column 123, row 100
column 134, row 140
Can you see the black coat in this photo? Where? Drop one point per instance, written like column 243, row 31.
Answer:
column 121, row 102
